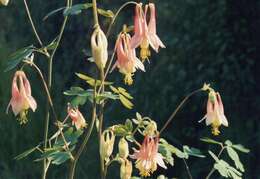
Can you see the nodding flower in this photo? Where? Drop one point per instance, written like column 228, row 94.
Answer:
column 127, row 62
column 145, row 35
column 21, row 99
column 147, row 157
column 215, row 113
column 77, row 118
column 99, row 46
column 4, row 2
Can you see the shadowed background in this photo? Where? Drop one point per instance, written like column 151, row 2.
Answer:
column 207, row 41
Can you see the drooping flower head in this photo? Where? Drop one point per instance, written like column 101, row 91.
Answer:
column 99, row 46
column 145, row 35
column 147, row 157
column 127, row 62
column 21, row 99
column 4, row 2
column 77, row 118
column 107, row 144
column 215, row 112
column 126, row 169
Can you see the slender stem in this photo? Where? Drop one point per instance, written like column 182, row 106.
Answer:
column 187, row 168
column 117, row 13
column 95, row 13
column 50, row 66
column 178, row 108
column 86, row 138
column 213, row 169
column 32, row 24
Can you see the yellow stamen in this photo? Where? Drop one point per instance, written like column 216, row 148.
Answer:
column 128, row 79
column 23, row 117
column 145, row 52
column 215, row 127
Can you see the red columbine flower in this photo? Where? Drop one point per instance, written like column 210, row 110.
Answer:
column 21, row 99
column 215, row 113
column 147, row 157
column 77, row 118
column 145, row 35
column 127, row 62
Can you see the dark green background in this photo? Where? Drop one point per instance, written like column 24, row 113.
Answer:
column 207, row 41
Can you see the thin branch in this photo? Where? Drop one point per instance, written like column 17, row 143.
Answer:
column 187, row 169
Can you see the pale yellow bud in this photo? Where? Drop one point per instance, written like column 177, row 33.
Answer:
column 123, row 148
column 126, row 170
column 4, row 2
column 99, row 46
column 107, row 144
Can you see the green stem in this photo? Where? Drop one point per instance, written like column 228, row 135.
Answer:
column 177, row 109
column 187, row 168
column 50, row 69
column 86, row 138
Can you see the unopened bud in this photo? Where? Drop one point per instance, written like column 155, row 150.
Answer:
column 99, row 46
column 123, row 148
column 107, row 144
column 126, row 170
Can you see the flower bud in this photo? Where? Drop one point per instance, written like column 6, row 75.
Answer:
column 99, row 47
column 126, row 170
column 4, row 2
column 123, row 148
column 107, row 144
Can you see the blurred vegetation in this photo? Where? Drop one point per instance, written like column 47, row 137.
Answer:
column 207, row 41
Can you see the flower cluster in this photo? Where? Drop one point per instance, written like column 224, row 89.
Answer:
column 144, row 36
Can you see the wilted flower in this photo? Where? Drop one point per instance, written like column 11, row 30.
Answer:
column 4, row 2
column 21, row 99
column 123, row 148
column 147, row 157
column 77, row 118
column 126, row 169
column 99, row 47
column 107, row 144
column 127, row 62
column 145, row 35
column 215, row 113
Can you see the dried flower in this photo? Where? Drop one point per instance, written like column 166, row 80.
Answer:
column 77, row 118
column 215, row 113
column 4, row 2
column 126, row 169
column 21, row 99
column 107, row 144
column 145, row 35
column 127, row 62
column 147, row 157
column 99, row 46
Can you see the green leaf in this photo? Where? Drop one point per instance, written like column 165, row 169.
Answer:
column 211, row 141
column 221, row 169
column 15, row 58
column 167, row 154
column 78, row 101
column 129, row 125
column 53, row 12
column 76, row 9
column 26, row 153
column 234, row 156
column 240, row 148
column 106, row 13
column 193, row 151
column 124, row 92
column 213, row 156
column 60, row 157
column 71, row 137
column 91, row 81
column 120, row 130
column 173, row 149
column 228, row 143
column 128, row 104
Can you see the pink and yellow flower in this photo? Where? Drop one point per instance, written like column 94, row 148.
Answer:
column 127, row 62
column 145, row 35
column 21, row 99
column 147, row 157
column 77, row 118
column 215, row 113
